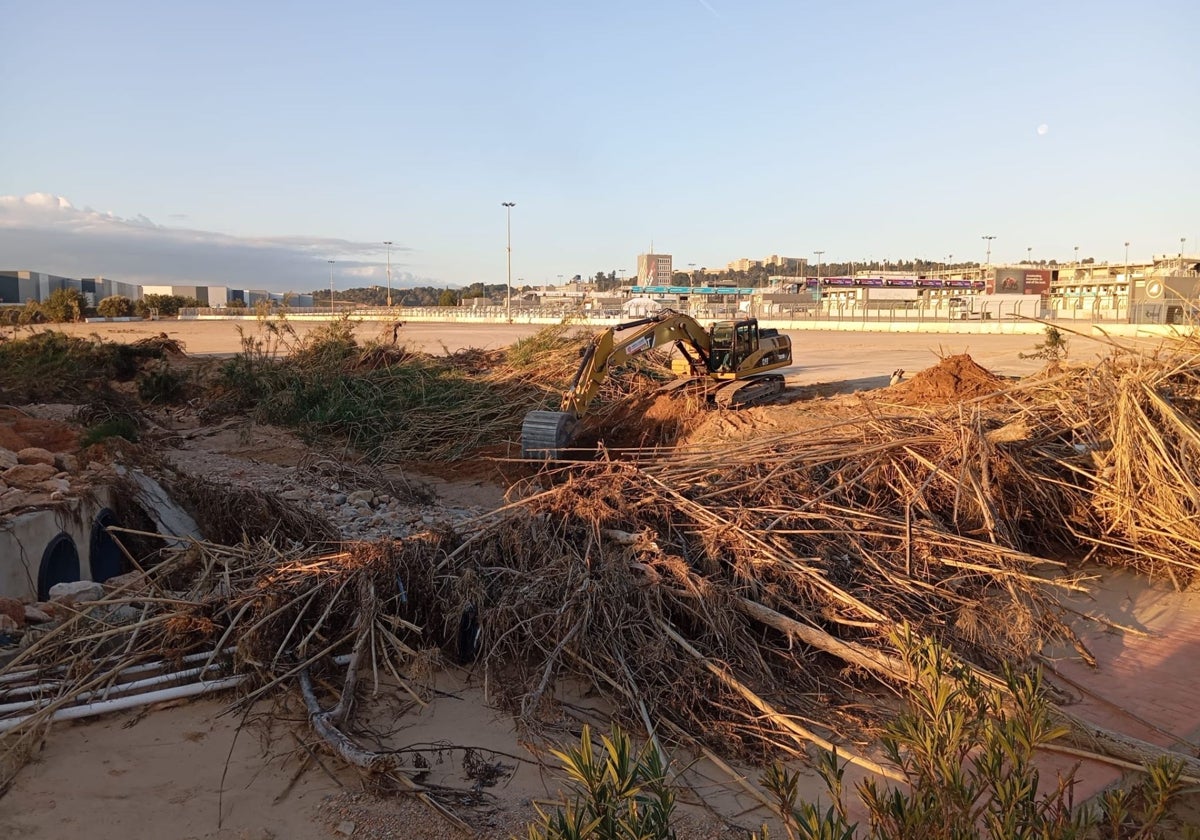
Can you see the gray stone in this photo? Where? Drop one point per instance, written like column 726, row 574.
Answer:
column 362, row 496
column 35, row 616
column 297, row 495
column 53, row 485
column 124, row 614
column 35, row 455
column 130, row 579
column 8, row 458
column 339, row 498
column 67, row 463
column 79, row 591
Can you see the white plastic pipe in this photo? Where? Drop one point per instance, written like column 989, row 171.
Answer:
column 120, row 703
column 117, row 704
column 26, row 673
column 108, row 691
column 53, row 687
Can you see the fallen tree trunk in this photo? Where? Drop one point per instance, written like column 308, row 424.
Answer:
column 1097, row 742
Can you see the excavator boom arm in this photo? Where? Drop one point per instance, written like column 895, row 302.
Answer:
column 608, row 351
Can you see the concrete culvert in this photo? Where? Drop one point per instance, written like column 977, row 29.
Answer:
column 104, row 554
column 60, row 564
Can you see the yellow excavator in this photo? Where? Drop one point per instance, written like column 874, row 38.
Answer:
column 730, row 358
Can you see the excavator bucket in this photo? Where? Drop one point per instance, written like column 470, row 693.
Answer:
column 547, row 435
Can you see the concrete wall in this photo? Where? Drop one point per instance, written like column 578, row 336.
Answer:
column 25, row 537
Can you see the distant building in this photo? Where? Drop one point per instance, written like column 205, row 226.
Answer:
column 787, row 265
column 23, row 286
column 654, row 269
column 744, row 264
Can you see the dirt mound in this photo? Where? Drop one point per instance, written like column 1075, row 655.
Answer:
column 18, row 431
column 656, row 419
column 953, row 379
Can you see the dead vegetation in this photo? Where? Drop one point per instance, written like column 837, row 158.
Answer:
column 739, row 599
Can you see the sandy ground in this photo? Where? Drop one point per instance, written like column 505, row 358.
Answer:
column 195, row 770
column 820, row 357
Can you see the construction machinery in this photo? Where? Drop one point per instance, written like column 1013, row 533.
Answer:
column 730, row 359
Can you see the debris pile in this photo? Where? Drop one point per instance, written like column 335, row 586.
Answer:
column 744, row 599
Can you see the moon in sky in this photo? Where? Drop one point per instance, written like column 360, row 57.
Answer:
column 1042, row 129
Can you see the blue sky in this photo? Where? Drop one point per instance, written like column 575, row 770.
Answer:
column 247, row 143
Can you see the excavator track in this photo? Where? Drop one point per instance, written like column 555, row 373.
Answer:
column 744, row 392
column 547, row 435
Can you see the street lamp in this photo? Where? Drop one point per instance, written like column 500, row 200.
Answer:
column 508, row 206
column 818, row 253
column 949, row 265
column 1077, row 258
column 1182, row 246
column 989, row 239
column 330, row 287
column 388, row 243
column 1029, row 255
column 1126, row 262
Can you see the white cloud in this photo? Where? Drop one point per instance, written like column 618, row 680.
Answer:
column 44, row 232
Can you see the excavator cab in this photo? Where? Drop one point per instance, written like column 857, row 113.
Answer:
column 732, row 343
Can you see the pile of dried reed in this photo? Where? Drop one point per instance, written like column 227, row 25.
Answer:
column 742, row 598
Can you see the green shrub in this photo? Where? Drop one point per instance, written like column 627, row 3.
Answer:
column 617, row 795
column 967, row 752
column 115, row 306
column 162, row 385
column 166, row 305
column 1053, row 349
column 122, row 427
column 52, row 366
column 64, row 306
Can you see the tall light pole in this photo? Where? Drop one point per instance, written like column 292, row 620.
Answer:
column 988, row 237
column 818, row 253
column 1077, row 258
column 1126, row 262
column 388, row 243
column 1029, row 255
column 1182, row 246
column 508, row 206
column 330, row 287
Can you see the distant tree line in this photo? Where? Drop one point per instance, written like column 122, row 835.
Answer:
column 416, row 296
column 65, row 306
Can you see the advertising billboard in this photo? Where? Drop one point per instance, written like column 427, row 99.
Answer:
column 1037, row 282
column 1006, row 281
column 1018, row 281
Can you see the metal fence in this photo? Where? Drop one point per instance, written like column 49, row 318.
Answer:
column 845, row 314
